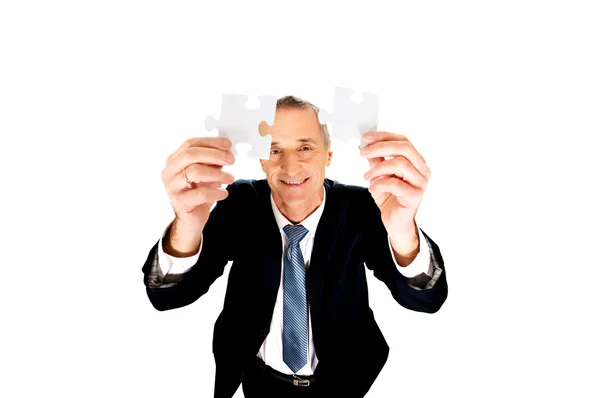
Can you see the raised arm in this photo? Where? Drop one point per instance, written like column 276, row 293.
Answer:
column 192, row 177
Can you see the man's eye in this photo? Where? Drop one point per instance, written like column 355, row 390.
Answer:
column 274, row 152
column 306, row 147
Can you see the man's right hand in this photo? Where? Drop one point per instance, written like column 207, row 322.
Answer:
column 202, row 159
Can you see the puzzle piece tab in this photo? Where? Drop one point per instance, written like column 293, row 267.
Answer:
column 351, row 119
column 240, row 124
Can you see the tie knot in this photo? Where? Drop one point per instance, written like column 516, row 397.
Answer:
column 295, row 233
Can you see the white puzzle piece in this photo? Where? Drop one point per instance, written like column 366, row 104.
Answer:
column 351, row 119
column 240, row 124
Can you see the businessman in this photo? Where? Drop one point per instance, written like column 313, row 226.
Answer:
column 296, row 320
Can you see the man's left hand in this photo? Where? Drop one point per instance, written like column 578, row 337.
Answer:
column 396, row 184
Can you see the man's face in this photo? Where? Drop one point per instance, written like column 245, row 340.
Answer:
column 296, row 167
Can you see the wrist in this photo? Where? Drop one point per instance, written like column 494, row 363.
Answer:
column 182, row 241
column 405, row 245
column 181, row 226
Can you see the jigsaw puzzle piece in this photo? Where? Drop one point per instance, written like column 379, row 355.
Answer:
column 351, row 119
column 241, row 125
column 261, row 144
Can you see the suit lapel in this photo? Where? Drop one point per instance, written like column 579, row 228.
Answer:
column 272, row 251
column 324, row 242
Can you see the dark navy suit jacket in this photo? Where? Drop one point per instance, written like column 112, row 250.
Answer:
column 348, row 343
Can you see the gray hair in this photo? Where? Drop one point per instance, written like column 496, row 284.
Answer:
column 293, row 102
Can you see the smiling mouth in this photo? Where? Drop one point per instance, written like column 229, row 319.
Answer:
column 294, row 183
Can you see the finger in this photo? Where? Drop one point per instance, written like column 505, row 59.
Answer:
column 404, row 192
column 376, row 136
column 400, row 167
column 384, row 148
column 192, row 198
column 389, row 148
column 213, row 185
column 202, row 155
column 198, row 173
column 208, row 142
column 373, row 162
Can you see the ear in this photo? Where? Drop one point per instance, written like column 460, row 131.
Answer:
column 262, row 164
column 329, row 156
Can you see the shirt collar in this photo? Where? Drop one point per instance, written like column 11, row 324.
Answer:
column 310, row 223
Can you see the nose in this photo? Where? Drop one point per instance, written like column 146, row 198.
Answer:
column 290, row 164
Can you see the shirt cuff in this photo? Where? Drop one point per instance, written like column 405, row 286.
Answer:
column 176, row 265
column 421, row 264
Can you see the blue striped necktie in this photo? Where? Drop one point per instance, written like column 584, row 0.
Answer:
column 295, row 313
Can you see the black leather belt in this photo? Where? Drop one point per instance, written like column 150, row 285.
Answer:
column 300, row 381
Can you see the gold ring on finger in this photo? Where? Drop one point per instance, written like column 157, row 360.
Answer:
column 185, row 177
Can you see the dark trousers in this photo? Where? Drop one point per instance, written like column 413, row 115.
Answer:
column 258, row 382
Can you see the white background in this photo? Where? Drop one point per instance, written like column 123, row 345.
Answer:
column 501, row 98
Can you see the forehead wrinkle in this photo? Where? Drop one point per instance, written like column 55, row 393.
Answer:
column 309, row 140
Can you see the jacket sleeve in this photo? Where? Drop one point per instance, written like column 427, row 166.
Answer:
column 379, row 259
column 217, row 251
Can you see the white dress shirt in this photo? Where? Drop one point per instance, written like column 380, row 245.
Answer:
column 272, row 349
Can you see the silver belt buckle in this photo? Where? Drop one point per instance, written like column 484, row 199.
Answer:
column 300, row 382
